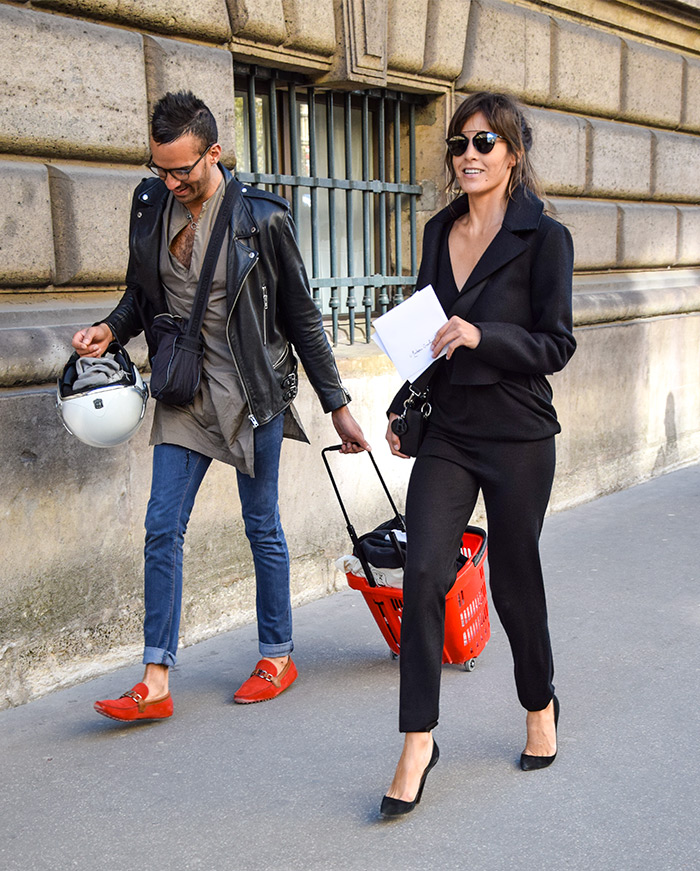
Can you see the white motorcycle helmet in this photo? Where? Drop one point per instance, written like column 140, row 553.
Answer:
column 101, row 400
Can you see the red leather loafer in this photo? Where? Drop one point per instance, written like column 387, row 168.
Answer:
column 264, row 683
column 133, row 705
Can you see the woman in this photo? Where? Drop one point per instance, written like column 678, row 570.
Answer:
column 502, row 270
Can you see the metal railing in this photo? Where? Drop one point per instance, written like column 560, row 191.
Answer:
column 346, row 162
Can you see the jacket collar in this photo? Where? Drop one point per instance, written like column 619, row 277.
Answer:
column 522, row 213
column 243, row 223
column 154, row 193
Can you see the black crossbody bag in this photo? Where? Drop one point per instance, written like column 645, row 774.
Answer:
column 176, row 366
column 410, row 426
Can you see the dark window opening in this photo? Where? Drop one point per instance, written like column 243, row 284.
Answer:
column 346, row 163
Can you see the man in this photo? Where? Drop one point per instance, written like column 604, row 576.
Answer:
column 259, row 303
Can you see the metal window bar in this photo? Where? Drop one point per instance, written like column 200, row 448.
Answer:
column 253, row 124
column 365, row 118
column 381, row 149
column 274, row 129
column 367, row 300
column 413, row 245
column 398, row 241
column 330, row 134
column 294, row 148
column 316, row 291
column 349, row 223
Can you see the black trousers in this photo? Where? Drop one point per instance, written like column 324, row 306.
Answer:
column 516, row 481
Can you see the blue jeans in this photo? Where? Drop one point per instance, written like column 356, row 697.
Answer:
column 177, row 474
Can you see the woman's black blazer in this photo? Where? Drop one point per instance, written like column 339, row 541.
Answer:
column 521, row 298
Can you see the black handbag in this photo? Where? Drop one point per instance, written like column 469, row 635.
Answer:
column 176, row 365
column 411, row 425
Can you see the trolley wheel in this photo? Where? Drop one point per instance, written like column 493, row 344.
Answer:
column 394, row 655
column 469, row 665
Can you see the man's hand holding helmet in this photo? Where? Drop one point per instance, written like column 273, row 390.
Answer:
column 93, row 341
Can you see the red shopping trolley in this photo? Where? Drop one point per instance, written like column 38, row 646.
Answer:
column 467, row 626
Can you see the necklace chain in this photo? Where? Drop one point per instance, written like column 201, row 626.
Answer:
column 192, row 221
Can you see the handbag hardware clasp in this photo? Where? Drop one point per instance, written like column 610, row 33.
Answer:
column 425, row 408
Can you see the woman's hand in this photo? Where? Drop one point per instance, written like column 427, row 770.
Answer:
column 393, row 439
column 454, row 333
column 93, row 341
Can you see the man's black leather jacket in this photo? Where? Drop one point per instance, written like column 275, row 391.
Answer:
column 269, row 302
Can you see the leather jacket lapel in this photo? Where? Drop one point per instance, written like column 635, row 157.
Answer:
column 241, row 256
column 243, row 224
column 146, row 240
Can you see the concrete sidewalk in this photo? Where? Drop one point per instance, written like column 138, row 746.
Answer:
column 296, row 783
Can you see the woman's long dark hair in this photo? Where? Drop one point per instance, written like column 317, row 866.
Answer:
column 506, row 117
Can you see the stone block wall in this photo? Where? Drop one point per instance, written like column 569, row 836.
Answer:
column 25, row 213
column 70, row 88
column 90, row 209
column 613, row 92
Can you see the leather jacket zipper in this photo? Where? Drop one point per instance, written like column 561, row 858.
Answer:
column 251, row 417
column 264, row 294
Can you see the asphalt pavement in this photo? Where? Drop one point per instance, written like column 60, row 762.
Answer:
column 295, row 784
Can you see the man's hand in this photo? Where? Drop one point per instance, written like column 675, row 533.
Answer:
column 93, row 341
column 350, row 432
column 393, row 439
column 454, row 333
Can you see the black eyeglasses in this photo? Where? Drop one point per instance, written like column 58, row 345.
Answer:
column 483, row 141
column 178, row 174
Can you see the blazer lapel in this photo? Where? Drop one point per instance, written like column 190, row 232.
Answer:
column 503, row 248
column 523, row 213
column 466, row 301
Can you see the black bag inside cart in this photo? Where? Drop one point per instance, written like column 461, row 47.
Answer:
column 381, row 548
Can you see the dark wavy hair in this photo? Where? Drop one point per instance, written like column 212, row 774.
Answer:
column 174, row 115
column 505, row 116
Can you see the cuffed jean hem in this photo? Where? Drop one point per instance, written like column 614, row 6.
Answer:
column 276, row 649
column 158, row 656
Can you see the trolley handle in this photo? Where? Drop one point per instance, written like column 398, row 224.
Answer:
column 350, row 528
column 481, row 553
column 398, row 517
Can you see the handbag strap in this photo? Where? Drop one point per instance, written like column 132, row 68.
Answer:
column 420, row 385
column 211, row 256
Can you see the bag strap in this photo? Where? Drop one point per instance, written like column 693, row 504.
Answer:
column 420, row 385
column 211, row 256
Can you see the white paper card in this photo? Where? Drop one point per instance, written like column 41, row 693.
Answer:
column 406, row 332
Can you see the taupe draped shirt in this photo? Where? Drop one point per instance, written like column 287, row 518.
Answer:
column 216, row 424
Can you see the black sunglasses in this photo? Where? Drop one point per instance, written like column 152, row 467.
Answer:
column 178, row 174
column 483, row 141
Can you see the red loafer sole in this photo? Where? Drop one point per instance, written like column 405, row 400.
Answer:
column 132, row 719
column 133, row 706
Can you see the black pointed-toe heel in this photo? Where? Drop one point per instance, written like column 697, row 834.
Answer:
column 534, row 763
column 395, row 807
